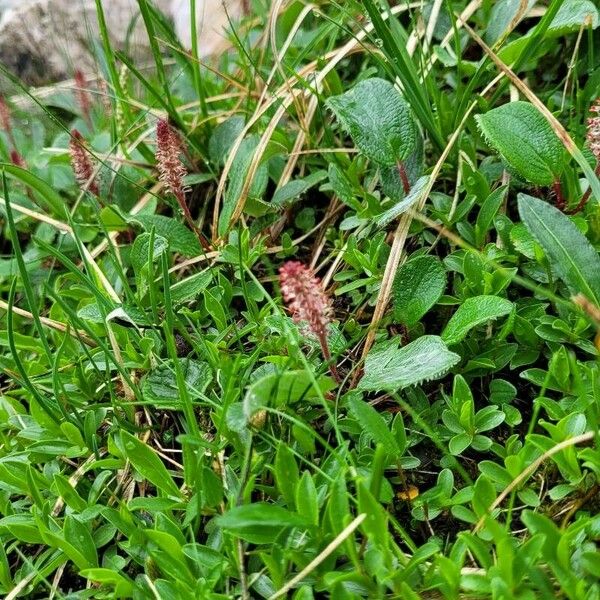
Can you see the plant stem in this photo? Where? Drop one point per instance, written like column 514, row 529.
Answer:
column 559, row 198
column 585, row 197
column 403, row 177
column 327, row 356
column 190, row 221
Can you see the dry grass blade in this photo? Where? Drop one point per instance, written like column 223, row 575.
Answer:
column 532, row 468
column 52, row 324
column 287, row 95
column 313, row 564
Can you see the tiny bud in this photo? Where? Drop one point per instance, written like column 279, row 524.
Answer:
column 258, row 419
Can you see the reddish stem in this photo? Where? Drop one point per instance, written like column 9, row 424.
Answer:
column 559, row 198
column 403, row 177
column 585, row 197
column 327, row 356
column 190, row 221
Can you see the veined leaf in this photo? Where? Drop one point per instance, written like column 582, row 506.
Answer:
column 190, row 287
column 526, row 140
column 567, row 249
column 378, row 119
column 141, row 249
column 160, row 385
column 281, row 389
column 572, row 15
column 415, row 194
column 223, row 138
column 419, row 284
column 292, row 190
column 388, row 367
column 146, row 462
column 179, row 237
column 373, row 424
column 259, row 523
column 501, row 16
column 473, row 312
column 570, row 18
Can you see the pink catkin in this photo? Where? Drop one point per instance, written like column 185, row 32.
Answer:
column 17, row 160
column 593, row 142
column 170, row 168
column 83, row 167
column 171, row 171
column 304, row 295
column 593, row 131
column 83, row 97
column 5, row 123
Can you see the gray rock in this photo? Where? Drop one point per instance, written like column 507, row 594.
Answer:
column 42, row 41
column 6, row 4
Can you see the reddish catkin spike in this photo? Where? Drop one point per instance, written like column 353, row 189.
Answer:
column 17, row 160
column 83, row 98
column 302, row 292
column 5, row 121
column 170, row 168
column 593, row 130
column 593, row 142
column 172, row 171
column 83, row 167
column 5, row 116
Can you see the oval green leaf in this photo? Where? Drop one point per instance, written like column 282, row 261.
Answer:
column 568, row 250
column 419, row 284
column 390, row 368
column 378, row 119
column 374, row 425
column 474, row 312
column 146, row 463
column 259, row 523
column 526, row 141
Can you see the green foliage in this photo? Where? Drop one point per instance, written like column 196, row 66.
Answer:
column 168, row 431
column 178, row 237
column 378, row 119
column 147, row 463
column 239, row 172
column 569, row 252
column 391, row 368
column 571, row 17
column 473, row 312
column 419, row 284
column 525, row 139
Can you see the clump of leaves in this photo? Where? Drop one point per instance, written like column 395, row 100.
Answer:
column 281, row 351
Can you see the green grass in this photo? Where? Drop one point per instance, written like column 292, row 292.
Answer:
column 167, row 430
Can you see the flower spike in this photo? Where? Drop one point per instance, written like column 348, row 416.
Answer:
column 82, row 164
column 304, row 295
